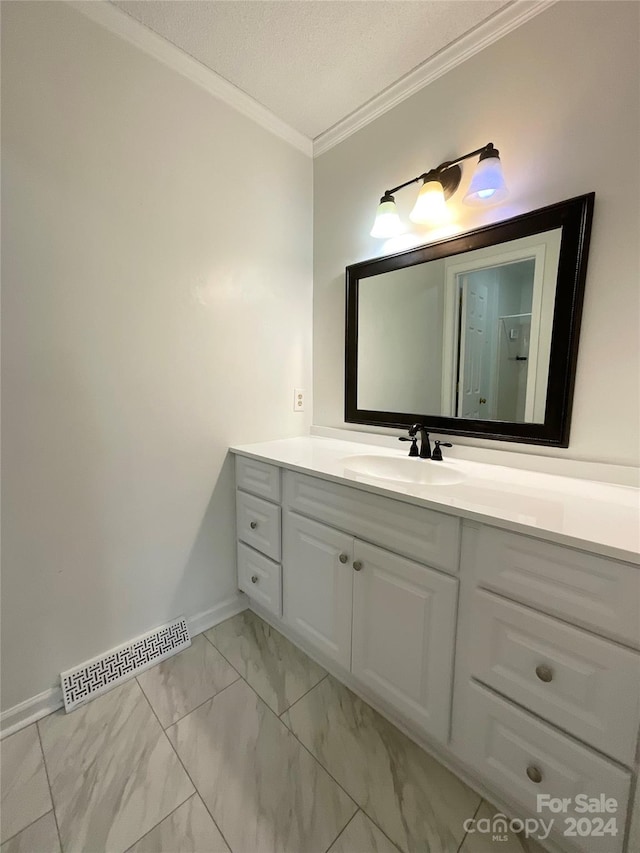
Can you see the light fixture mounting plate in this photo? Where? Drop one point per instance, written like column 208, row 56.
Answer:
column 450, row 179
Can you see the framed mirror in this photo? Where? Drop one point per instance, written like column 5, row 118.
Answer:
column 474, row 335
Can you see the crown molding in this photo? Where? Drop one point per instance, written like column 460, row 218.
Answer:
column 503, row 22
column 118, row 22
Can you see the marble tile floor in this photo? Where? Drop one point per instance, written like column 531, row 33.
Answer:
column 240, row 743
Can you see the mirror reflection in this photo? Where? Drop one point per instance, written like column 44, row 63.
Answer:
column 466, row 336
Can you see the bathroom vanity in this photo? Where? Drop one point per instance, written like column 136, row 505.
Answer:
column 492, row 614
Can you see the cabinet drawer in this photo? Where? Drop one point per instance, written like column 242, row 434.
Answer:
column 586, row 685
column 258, row 478
column 600, row 594
column 258, row 524
column 427, row 536
column 260, row 578
column 501, row 743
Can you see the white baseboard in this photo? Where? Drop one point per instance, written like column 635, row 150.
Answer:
column 27, row 712
column 225, row 610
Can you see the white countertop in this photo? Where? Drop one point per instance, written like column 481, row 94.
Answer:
column 597, row 517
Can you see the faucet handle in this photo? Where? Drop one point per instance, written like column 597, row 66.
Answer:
column 413, row 450
column 436, row 456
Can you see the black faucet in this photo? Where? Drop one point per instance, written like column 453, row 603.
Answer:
column 425, row 444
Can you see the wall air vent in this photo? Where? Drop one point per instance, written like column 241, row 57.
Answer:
column 85, row 682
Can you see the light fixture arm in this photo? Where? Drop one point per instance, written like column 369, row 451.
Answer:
column 438, row 173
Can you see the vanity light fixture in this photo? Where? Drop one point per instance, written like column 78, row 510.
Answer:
column 487, row 187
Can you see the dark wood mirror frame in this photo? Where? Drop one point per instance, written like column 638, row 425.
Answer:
column 574, row 217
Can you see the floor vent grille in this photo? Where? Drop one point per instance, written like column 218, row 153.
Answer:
column 85, row 682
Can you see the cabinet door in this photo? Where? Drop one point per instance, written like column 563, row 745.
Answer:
column 403, row 635
column 317, row 585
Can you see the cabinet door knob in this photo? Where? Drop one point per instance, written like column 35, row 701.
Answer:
column 254, row 578
column 357, row 565
column 544, row 672
column 534, row 773
column 253, row 525
column 343, row 558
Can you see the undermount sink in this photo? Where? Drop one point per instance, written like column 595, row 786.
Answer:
column 404, row 469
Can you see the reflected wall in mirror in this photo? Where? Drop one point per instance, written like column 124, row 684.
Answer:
column 474, row 335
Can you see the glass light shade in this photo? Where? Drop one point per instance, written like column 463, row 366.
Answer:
column 487, row 185
column 387, row 222
column 430, row 207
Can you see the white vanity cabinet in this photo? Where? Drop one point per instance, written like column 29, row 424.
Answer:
column 364, row 580
column 390, row 620
column 515, row 659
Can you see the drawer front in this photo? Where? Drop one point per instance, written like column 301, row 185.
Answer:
column 258, row 524
column 600, row 594
column 588, row 686
column 260, row 578
column 427, row 536
column 258, row 478
column 502, row 744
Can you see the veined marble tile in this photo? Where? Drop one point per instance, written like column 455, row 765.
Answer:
column 418, row 803
column 264, row 791
column 362, row 836
column 112, row 771
column 24, row 788
column 40, row 837
column 481, row 841
column 186, row 680
column 189, row 829
column 276, row 669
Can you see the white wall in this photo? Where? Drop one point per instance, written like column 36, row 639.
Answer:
column 560, row 98
column 156, row 271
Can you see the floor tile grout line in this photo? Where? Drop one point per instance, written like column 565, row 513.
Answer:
column 360, row 806
column 326, row 673
column 222, row 653
column 279, row 717
column 241, row 677
column 306, row 693
column 195, row 787
column 156, row 825
column 199, row 705
column 46, row 773
column 464, row 837
column 393, row 843
column 342, row 830
column 319, row 763
column 29, row 825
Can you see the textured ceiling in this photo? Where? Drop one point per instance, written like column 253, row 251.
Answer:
column 312, row 62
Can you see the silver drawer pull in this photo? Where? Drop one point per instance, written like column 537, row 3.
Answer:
column 254, row 578
column 357, row 565
column 534, row 773
column 544, row 673
column 343, row 558
column 253, row 525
